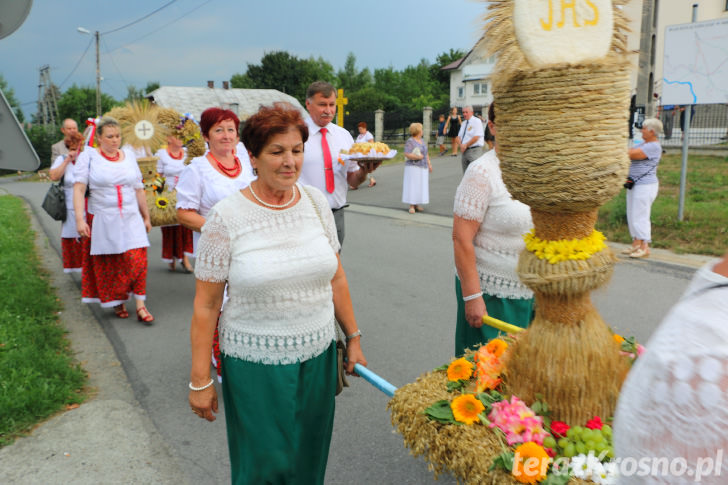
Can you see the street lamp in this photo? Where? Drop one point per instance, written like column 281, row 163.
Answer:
column 98, row 69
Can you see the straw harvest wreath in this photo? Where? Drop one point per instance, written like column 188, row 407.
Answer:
column 529, row 407
column 145, row 126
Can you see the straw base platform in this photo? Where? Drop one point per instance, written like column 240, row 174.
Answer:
column 465, row 451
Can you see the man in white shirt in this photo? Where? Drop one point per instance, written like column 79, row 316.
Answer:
column 322, row 167
column 68, row 128
column 470, row 137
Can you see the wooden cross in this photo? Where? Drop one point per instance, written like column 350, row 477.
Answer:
column 340, row 102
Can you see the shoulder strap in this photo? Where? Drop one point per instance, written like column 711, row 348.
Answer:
column 315, row 207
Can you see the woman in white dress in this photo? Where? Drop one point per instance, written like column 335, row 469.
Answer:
column 210, row 178
column 417, row 168
column 177, row 239
column 62, row 167
column 275, row 244
column 115, row 230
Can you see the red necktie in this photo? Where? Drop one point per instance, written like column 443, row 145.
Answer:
column 328, row 169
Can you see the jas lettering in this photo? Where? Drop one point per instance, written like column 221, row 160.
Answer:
column 566, row 6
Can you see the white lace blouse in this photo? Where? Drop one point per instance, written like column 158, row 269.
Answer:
column 278, row 265
column 483, row 197
column 674, row 402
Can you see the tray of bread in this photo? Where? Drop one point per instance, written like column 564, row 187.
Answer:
column 368, row 152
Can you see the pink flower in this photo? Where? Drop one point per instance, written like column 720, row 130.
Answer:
column 519, row 423
column 559, row 428
column 594, row 423
column 640, row 349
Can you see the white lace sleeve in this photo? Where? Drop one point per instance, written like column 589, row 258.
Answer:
column 473, row 194
column 326, row 216
column 213, row 250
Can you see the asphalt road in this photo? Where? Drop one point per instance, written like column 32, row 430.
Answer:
column 400, row 270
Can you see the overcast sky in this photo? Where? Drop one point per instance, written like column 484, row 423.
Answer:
column 192, row 41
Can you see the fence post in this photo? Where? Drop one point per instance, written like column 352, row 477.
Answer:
column 378, row 125
column 426, row 124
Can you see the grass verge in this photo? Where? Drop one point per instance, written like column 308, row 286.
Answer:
column 704, row 229
column 39, row 374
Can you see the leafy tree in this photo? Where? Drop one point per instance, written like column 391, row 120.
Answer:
column 442, row 60
column 285, row 72
column 42, row 139
column 79, row 103
column 371, row 99
column 134, row 94
column 151, row 86
column 12, row 100
column 350, row 78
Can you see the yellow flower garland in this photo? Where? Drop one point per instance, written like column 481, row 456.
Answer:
column 565, row 249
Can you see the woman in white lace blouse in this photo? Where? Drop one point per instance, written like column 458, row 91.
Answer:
column 488, row 228
column 275, row 245
column 673, row 407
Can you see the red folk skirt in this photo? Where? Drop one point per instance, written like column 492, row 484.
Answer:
column 72, row 251
column 110, row 279
column 176, row 242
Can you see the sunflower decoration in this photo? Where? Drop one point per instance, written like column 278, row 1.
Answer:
column 186, row 129
column 161, row 202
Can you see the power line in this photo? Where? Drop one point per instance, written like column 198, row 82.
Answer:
column 162, row 27
column 77, row 64
column 115, row 66
column 139, row 19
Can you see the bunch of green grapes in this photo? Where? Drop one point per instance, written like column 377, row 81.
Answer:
column 580, row 441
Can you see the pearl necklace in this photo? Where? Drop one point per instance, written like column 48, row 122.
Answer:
column 273, row 206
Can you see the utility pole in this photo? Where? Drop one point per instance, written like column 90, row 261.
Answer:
column 47, row 103
column 98, row 69
column 685, row 144
column 646, row 70
column 98, row 77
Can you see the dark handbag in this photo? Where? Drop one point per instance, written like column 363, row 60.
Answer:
column 341, row 381
column 54, row 202
column 629, row 183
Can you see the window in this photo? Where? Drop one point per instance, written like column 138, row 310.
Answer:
column 461, row 92
column 480, row 89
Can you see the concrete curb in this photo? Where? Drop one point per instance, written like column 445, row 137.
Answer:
column 108, row 439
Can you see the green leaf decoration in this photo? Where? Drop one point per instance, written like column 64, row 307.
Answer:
column 488, row 398
column 441, row 368
column 504, row 461
column 456, row 385
column 556, row 479
column 441, row 412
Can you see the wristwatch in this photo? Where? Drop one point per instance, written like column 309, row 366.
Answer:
column 353, row 335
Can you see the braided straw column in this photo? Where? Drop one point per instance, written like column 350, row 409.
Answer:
column 562, row 142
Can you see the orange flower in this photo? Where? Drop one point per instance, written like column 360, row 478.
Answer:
column 618, row 338
column 488, row 371
column 459, row 369
column 496, row 347
column 530, row 463
column 466, row 408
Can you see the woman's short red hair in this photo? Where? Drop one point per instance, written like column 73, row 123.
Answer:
column 270, row 121
column 212, row 116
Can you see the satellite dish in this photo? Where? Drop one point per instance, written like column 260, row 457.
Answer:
column 12, row 15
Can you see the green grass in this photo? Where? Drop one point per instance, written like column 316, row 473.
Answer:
column 704, row 229
column 38, row 375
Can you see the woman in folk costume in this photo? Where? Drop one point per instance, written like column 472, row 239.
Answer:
column 177, row 239
column 115, row 230
column 63, row 168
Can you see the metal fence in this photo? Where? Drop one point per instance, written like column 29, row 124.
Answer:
column 708, row 125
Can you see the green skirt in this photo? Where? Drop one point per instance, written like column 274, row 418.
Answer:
column 279, row 419
column 517, row 311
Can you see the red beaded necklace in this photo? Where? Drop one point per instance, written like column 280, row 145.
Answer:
column 179, row 157
column 111, row 159
column 230, row 172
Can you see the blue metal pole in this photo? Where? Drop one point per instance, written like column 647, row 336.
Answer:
column 375, row 380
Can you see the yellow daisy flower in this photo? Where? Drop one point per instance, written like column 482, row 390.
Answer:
column 459, row 369
column 466, row 408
